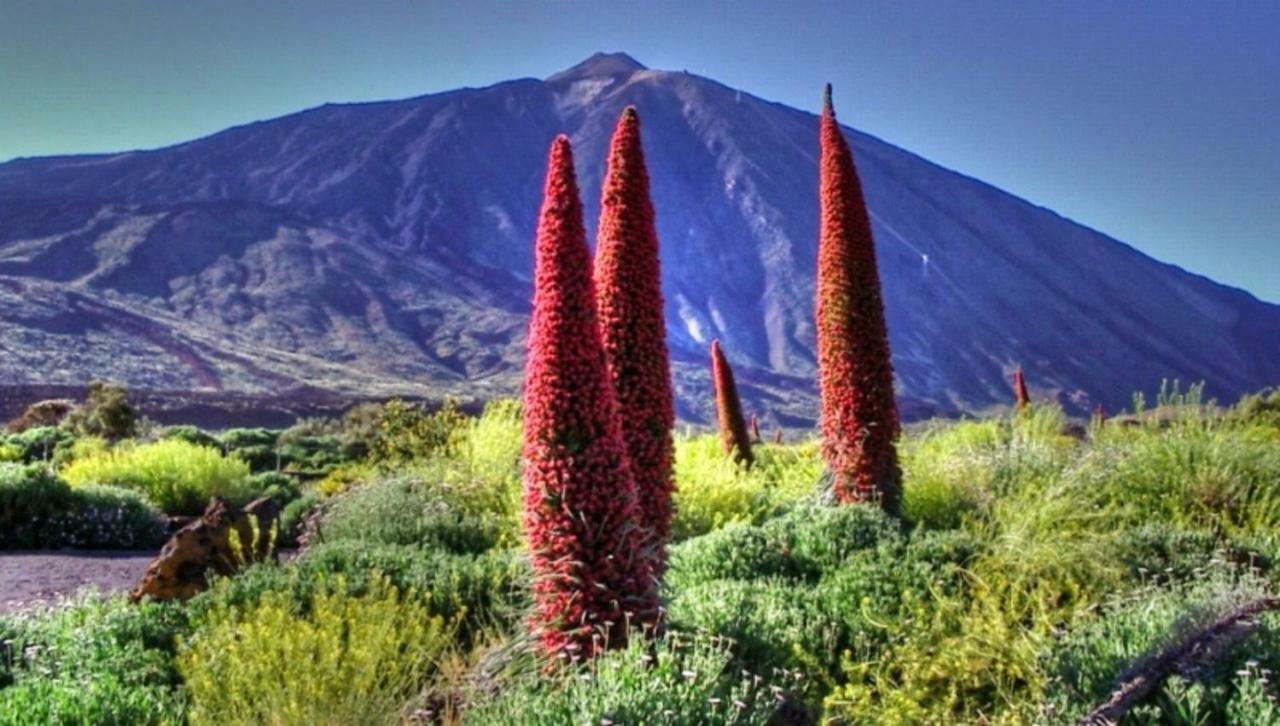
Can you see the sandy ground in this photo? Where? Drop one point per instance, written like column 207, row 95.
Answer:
column 27, row 578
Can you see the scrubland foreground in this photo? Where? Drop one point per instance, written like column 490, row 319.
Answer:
column 1036, row 566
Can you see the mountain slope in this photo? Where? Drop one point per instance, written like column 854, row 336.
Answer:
column 386, row 247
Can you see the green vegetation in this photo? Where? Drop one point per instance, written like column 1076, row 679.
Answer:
column 1032, row 569
column 345, row 660
column 680, row 680
column 38, row 511
column 91, row 661
column 177, row 476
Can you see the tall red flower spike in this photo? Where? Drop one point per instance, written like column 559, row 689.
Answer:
column 859, row 416
column 629, row 297
column 591, row 574
column 1022, row 398
column 755, row 429
column 733, row 430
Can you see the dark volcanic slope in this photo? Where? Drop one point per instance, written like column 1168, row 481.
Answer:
column 386, row 247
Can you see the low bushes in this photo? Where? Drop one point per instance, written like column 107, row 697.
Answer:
column 92, row 661
column 1087, row 663
column 39, row 511
column 176, row 476
column 812, row 587
column 346, row 659
column 412, row 508
column 680, row 679
column 43, row 443
column 256, row 447
column 713, row 490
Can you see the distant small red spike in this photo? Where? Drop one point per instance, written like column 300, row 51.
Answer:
column 733, row 430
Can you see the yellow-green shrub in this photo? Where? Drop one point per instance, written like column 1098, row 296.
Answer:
column 176, row 476
column 713, row 490
column 347, row 660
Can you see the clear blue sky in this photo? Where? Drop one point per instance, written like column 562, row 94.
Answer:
column 1156, row 122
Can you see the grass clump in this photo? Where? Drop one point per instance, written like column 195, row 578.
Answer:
column 176, row 476
column 346, row 659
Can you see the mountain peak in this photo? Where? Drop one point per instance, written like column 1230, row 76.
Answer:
column 601, row 64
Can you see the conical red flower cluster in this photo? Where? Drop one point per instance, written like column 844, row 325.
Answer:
column 733, row 430
column 629, row 297
column 580, row 510
column 859, row 416
column 1021, row 397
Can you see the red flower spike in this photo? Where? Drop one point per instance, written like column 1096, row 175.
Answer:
column 859, row 415
column 629, row 298
column 1022, row 398
column 579, row 498
column 755, row 429
column 733, row 430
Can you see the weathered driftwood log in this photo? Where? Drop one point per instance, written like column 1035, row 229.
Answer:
column 206, row 546
column 1199, row 648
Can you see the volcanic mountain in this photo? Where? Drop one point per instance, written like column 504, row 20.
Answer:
column 385, row 248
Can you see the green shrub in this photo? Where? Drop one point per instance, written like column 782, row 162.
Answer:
column 489, row 590
column 492, row 444
column 1086, row 664
column 191, row 435
column 712, row 490
column 42, row 443
column 774, row 622
column 948, row 547
column 106, row 412
column 39, row 511
column 413, row 508
column 312, row 445
column 738, row 551
column 256, row 447
column 822, row 538
column 408, row 432
column 680, row 679
column 1160, row 552
column 294, row 515
column 281, row 487
column 1262, row 407
column 347, row 660
column 851, row 611
column 177, row 476
column 482, row 590
column 1194, row 474
column 93, row 661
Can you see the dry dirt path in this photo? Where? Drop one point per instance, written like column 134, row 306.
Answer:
column 27, row 578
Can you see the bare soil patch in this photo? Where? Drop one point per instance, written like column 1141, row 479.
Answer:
column 28, row 578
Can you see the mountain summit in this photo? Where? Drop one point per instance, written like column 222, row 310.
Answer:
column 386, row 248
column 600, row 65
